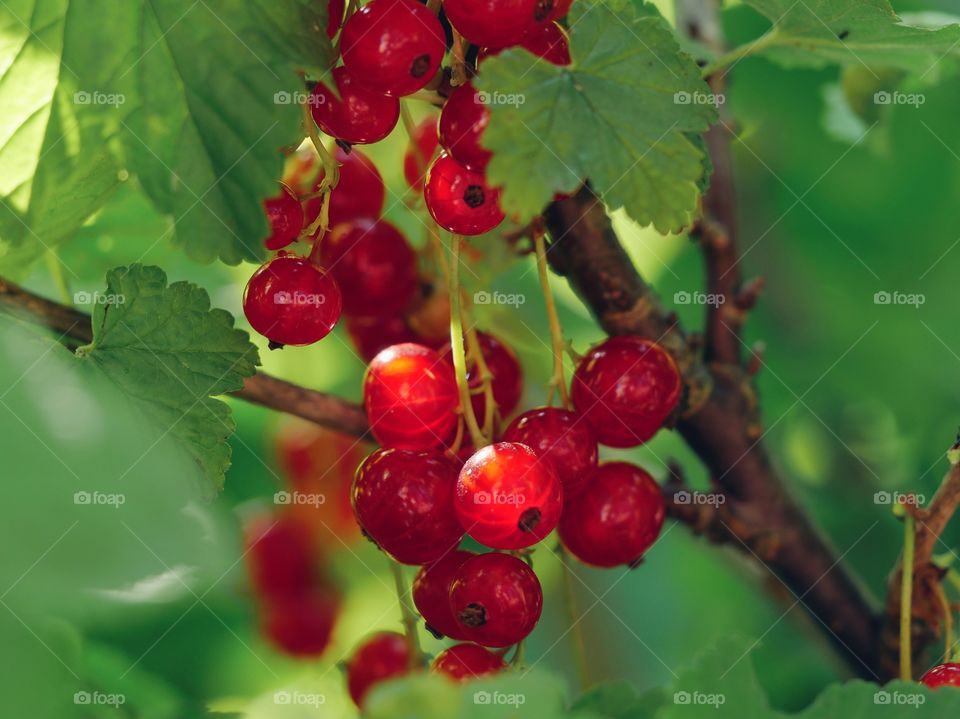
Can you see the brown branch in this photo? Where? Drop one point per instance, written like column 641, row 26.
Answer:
column 74, row 329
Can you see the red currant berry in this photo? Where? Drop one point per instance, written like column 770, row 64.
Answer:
column 463, row 662
column 420, row 152
column 335, row 10
column 462, row 122
column 507, row 497
column 370, row 335
column 496, row 598
column 285, row 217
column 944, row 675
column 616, row 518
column 393, row 46
column 359, row 116
column 403, row 501
column 374, row 266
column 549, row 41
column 561, row 8
column 460, row 200
column 431, row 594
column 496, row 23
column 359, row 194
column 625, row 388
column 381, row 656
column 301, row 625
column 561, row 437
column 507, row 376
column 411, row 397
column 278, row 557
column 290, row 301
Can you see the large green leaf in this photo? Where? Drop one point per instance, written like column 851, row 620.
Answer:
column 619, row 115
column 166, row 348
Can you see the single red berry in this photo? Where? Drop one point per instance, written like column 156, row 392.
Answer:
column 291, row 301
column 625, row 388
column 420, row 151
column 460, row 200
column 393, row 46
column 616, row 518
column 301, row 625
column 464, row 118
column 411, row 397
column 561, row 8
column 562, row 437
column 507, row 497
column 431, row 594
column 335, row 10
column 549, row 41
column 285, row 217
column 496, row 23
column 370, row 335
column 279, row 557
column 381, row 656
column 359, row 116
column 359, row 194
column 944, row 675
column 404, row 502
column 496, row 598
column 463, row 662
column 374, row 266
column 506, row 381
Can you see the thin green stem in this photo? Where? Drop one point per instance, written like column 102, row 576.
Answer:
column 408, row 615
column 738, row 53
column 906, row 599
column 579, row 643
column 947, row 621
column 456, row 345
column 557, row 381
column 59, row 279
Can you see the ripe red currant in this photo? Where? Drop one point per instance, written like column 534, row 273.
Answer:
column 561, row 8
column 462, row 122
column 301, row 625
column 463, row 662
column 496, row 598
column 335, row 10
column 616, row 518
column 285, row 217
column 278, row 557
column 359, row 116
column 393, row 46
column 370, row 335
column 359, row 194
column 411, row 397
column 496, row 23
column 431, row 594
column 943, row 675
column 563, row 438
column 625, row 388
column 374, row 266
column 460, row 200
column 290, row 301
column 420, row 152
column 381, row 656
column 549, row 41
column 404, row 501
column 507, row 497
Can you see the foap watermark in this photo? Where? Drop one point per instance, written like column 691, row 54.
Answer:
column 499, row 498
column 303, row 699
column 298, row 98
column 882, row 97
column 499, row 98
column 910, row 299
column 699, row 498
column 913, row 699
column 99, row 699
column 98, row 298
column 299, row 299
column 299, row 498
column 100, row 499
column 499, row 698
column 699, row 98
column 911, row 499
column 698, row 698
column 85, row 97
column 498, row 298
column 698, row 298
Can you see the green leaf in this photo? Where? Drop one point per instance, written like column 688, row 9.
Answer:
column 619, row 700
column 617, row 116
column 169, row 351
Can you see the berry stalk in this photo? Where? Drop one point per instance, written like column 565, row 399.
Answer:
column 557, row 381
column 569, row 597
column 906, row 598
column 408, row 616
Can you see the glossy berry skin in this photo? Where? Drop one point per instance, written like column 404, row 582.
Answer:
column 561, row 437
column 301, row 625
column 459, row 199
column 463, row 662
column 507, row 497
column 561, row 8
column 496, row 23
column 507, row 376
column 371, row 335
column 549, row 41
column 393, row 46
column 285, row 217
column 616, row 518
column 278, row 557
column 360, row 116
column 416, row 161
column 291, row 301
column 410, row 395
column 625, row 388
column 374, row 266
column 404, row 502
column 359, row 194
column 381, row 656
column 431, row 594
column 462, row 123
column 335, row 10
column 944, row 675
column 496, row 598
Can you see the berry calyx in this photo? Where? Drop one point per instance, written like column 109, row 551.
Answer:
column 285, row 217
column 410, row 395
column 496, row 599
column 506, row 381
column 404, row 502
column 431, row 594
column 301, row 625
column 616, row 518
column 460, row 200
column 419, row 154
column 462, row 122
column 374, row 266
column 393, row 46
column 359, row 116
column 561, row 437
column 463, row 662
column 381, row 656
column 943, row 675
column 625, row 388
column 507, row 497
column 359, row 194
column 291, row 301
column 496, row 23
